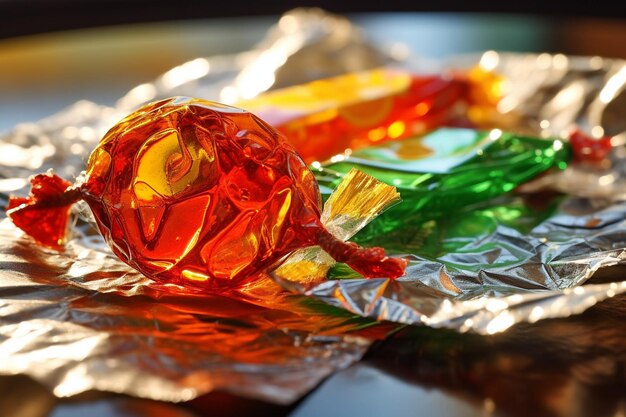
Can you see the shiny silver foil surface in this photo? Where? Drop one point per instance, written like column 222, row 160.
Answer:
column 499, row 279
column 81, row 320
column 549, row 95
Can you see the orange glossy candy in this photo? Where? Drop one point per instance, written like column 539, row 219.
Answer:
column 325, row 117
column 196, row 193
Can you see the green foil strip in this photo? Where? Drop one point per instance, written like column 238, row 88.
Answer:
column 443, row 174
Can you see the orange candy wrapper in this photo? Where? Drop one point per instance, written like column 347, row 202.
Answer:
column 325, row 117
column 196, row 194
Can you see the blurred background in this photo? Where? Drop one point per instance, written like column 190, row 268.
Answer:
column 55, row 52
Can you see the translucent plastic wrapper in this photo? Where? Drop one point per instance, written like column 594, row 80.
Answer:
column 82, row 320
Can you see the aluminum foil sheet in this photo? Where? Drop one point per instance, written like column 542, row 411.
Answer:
column 497, row 279
column 548, row 95
column 81, row 320
column 61, row 142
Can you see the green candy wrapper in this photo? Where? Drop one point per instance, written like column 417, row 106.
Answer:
column 443, row 173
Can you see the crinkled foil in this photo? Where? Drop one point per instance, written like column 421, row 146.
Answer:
column 82, row 320
column 549, row 95
column 498, row 279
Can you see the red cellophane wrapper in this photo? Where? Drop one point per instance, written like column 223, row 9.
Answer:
column 194, row 193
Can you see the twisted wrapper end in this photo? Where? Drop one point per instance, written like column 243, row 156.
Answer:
column 357, row 200
column 44, row 214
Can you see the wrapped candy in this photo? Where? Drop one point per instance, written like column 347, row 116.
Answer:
column 352, row 111
column 444, row 172
column 195, row 193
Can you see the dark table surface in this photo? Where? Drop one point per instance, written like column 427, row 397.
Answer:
column 563, row 367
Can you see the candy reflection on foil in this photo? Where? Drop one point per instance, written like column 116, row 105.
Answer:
column 82, row 320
